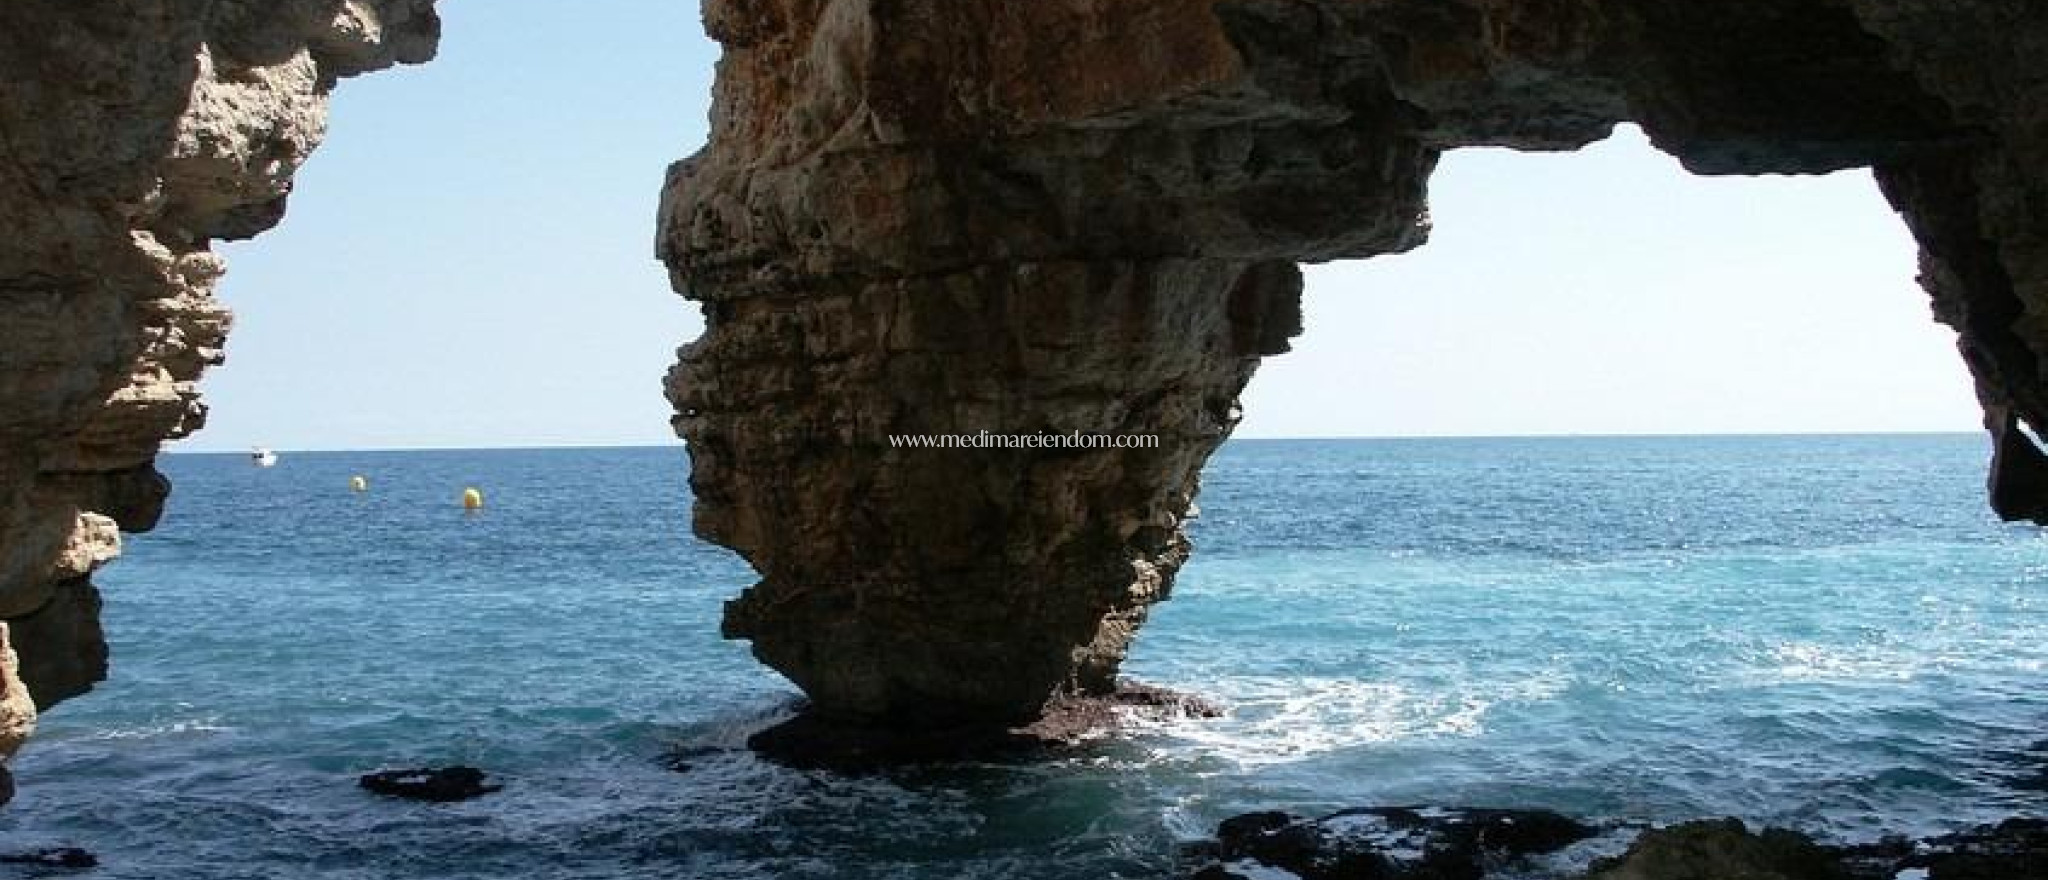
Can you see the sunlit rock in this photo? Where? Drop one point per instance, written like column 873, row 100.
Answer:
column 939, row 217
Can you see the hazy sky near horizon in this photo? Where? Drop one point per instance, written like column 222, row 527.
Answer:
column 469, row 262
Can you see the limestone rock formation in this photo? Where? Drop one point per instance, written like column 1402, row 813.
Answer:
column 17, row 710
column 946, row 217
column 951, row 217
column 133, row 135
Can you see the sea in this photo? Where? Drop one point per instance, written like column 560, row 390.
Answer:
column 1829, row 633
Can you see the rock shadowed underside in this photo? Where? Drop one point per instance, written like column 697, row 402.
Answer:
column 133, row 135
column 956, row 216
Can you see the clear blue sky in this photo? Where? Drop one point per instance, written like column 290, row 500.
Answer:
column 468, row 262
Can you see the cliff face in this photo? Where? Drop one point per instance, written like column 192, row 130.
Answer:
column 133, row 135
column 947, row 217
column 944, row 217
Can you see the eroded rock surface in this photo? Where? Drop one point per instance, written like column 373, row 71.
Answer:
column 1722, row 849
column 944, row 217
column 1387, row 843
column 133, row 135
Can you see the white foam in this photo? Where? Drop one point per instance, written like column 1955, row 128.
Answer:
column 153, row 731
column 1376, row 832
column 1274, row 720
column 1796, row 661
column 1251, row 870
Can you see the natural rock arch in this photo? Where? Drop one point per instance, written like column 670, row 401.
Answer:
column 936, row 216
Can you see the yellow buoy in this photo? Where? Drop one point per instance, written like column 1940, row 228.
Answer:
column 358, row 484
column 472, row 499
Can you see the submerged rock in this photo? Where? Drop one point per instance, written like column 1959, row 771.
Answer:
column 53, row 857
column 1386, row 843
column 436, row 784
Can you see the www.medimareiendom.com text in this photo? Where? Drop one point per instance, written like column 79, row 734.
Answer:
column 988, row 440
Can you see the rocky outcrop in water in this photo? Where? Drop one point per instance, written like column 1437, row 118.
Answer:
column 1386, row 843
column 134, row 135
column 439, row 785
column 1436, row 843
column 1722, row 849
column 936, row 217
column 1725, row 849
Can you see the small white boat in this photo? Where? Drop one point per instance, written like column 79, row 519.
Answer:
column 262, row 457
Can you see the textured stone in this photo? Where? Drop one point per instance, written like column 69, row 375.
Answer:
column 133, row 135
column 70, row 653
column 1386, row 843
column 17, row 709
column 1722, row 849
column 933, row 216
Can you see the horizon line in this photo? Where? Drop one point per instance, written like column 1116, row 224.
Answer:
column 1591, row 435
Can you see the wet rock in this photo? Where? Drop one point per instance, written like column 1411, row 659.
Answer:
column 435, row 784
column 2016, row 849
column 2018, row 484
column 1387, row 843
column 54, row 857
column 1722, row 849
column 1071, row 717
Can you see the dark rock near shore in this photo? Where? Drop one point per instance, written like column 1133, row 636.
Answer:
column 1725, row 849
column 1387, row 843
column 2016, row 849
column 1069, row 718
column 435, row 784
column 1419, row 843
column 54, row 857
column 813, row 741
column 1722, row 849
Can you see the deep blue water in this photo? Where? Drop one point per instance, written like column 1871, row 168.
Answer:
column 1827, row 632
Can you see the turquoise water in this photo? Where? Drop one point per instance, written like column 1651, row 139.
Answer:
column 1828, row 632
